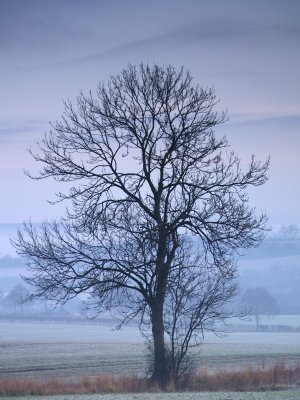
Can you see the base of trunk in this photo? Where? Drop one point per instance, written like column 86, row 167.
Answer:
column 161, row 381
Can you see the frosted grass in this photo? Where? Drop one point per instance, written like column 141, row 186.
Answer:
column 58, row 332
column 31, row 350
column 283, row 395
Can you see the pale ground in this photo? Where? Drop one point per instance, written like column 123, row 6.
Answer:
column 284, row 395
column 44, row 350
column 31, row 350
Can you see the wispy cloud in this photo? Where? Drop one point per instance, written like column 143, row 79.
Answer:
column 220, row 31
column 22, row 131
column 291, row 120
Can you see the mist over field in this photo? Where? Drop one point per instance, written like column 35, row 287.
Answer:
column 168, row 132
column 274, row 265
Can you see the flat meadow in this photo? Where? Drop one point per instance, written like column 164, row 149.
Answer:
column 38, row 350
column 43, row 351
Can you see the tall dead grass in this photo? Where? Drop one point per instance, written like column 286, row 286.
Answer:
column 86, row 384
column 278, row 376
column 249, row 378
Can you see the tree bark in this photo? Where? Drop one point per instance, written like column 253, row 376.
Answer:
column 160, row 371
column 160, row 368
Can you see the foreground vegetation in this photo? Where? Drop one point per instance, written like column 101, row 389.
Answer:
column 280, row 376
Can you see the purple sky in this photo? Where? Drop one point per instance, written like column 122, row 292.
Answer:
column 248, row 50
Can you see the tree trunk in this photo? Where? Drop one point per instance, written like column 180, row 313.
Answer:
column 257, row 322
column 160, row 371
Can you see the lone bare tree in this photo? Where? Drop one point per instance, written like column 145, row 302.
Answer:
column 145, row 171
column 258, row 301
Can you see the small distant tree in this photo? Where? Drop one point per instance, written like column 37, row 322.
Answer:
column 14, row 300
column 289, row 231
column 259, row 301
column 145, row 170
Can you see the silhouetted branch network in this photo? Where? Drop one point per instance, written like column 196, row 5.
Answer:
column 145, row 171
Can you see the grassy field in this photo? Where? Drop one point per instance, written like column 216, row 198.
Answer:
column 45, row 351
column 59, row 332
column 69, row 359
column 278, row 377
column 284, row 395
column 51, row 350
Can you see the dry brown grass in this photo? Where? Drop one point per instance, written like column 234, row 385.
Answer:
column 278, row 376
column 250, row 378
column 86, row 384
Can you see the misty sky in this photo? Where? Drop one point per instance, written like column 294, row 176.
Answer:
column 248, row 50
